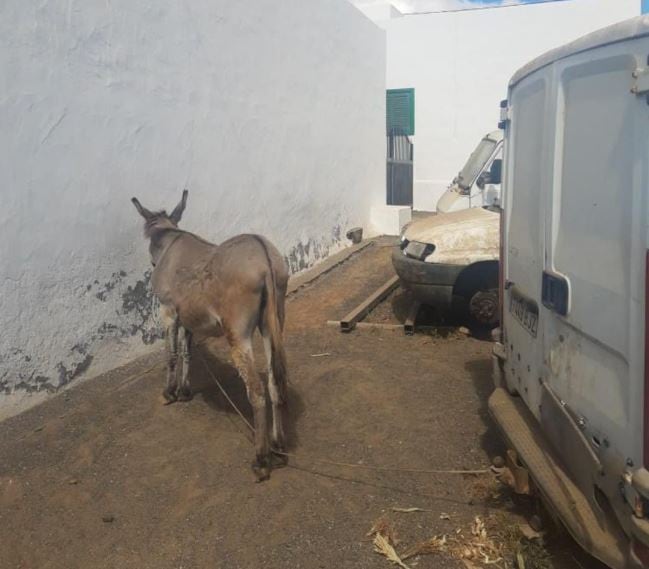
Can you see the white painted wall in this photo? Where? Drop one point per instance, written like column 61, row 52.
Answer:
column 460, row 63
column 271, row 113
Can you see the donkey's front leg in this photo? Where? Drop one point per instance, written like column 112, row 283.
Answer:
column 244, row 360
column 184, row 390
column 171, row 343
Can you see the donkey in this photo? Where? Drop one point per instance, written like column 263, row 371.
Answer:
column 222, row 290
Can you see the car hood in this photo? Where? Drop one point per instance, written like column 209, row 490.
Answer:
column 460, row 237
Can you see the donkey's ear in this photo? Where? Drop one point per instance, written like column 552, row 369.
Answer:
column 177, row 213
column 144, row 212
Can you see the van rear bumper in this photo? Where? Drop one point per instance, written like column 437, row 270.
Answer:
column 430, row 283
column 597, row 533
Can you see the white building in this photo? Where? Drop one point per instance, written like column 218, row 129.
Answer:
column 459, row 64
column 271, row 113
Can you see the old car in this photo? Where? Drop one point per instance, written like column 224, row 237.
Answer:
column 448, row 258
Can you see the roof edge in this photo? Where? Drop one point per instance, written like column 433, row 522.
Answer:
column 628, row 29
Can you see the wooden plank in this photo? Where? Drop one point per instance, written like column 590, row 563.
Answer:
column 387, row 326
column 348, row 323
column 379, row 325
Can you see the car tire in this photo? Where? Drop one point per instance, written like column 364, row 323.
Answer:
column 484, row 308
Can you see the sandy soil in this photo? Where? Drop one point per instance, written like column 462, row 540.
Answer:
column 106, row 476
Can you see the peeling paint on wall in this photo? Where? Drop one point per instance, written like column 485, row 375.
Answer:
column 107, row 287
column 135, row 311
column 306, row 254
column 139, row 301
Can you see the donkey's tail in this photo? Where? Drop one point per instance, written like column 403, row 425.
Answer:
column 272, row 321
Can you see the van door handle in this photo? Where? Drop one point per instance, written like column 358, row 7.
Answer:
column 555, row 293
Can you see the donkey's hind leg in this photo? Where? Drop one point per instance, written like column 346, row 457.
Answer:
column 171, row 343
column 277, row 436
column 184, row 390
column 242, row 355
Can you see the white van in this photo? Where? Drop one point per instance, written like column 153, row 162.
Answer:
column 572, row 367
column 478, row 183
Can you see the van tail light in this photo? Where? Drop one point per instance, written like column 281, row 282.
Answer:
column 646, row 363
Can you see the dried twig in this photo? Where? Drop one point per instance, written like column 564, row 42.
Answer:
column 435, row 544
column 478, row 547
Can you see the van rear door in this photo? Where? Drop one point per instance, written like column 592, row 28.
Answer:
column 575, row 243
column 593, row 281
column 524, row 238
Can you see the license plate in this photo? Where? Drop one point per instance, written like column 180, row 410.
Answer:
column 525, row 311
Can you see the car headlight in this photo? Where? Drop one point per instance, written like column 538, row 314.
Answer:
column 418, row 250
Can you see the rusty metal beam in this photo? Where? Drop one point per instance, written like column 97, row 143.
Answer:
column 348, row 323
column 409, row 324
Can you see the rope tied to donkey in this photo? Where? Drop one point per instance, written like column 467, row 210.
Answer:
column 333, row 462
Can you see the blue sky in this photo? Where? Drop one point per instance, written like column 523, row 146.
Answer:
column 441, row 5
column 410, row 6
column 496, row 2
column 464, row 4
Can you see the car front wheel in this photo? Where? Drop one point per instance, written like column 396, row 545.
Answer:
column 483, row 307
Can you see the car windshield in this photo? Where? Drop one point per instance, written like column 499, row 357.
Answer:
column 475, row 163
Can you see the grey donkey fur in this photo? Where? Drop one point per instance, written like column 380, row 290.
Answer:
column 227, row 290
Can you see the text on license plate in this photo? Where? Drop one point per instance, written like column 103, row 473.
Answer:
column 525, row 311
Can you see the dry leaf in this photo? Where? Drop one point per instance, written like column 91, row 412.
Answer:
column 478, row 547
column 444, row 516
column 472, row 548
column 383, row 547
column 383, row 527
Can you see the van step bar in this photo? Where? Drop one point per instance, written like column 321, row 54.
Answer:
column 587, row 526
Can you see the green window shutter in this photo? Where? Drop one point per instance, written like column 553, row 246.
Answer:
column 400, row 111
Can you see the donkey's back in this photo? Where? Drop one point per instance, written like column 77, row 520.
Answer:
column 210, row 286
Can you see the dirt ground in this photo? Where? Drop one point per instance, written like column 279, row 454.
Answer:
column 106, row 476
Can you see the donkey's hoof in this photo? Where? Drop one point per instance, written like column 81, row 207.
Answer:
column 261, row 473
column 185, row 394
column 279, row 457
column 170, row 395
column 261, row 469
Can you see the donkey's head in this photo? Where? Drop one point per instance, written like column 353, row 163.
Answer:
column 157, row 222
